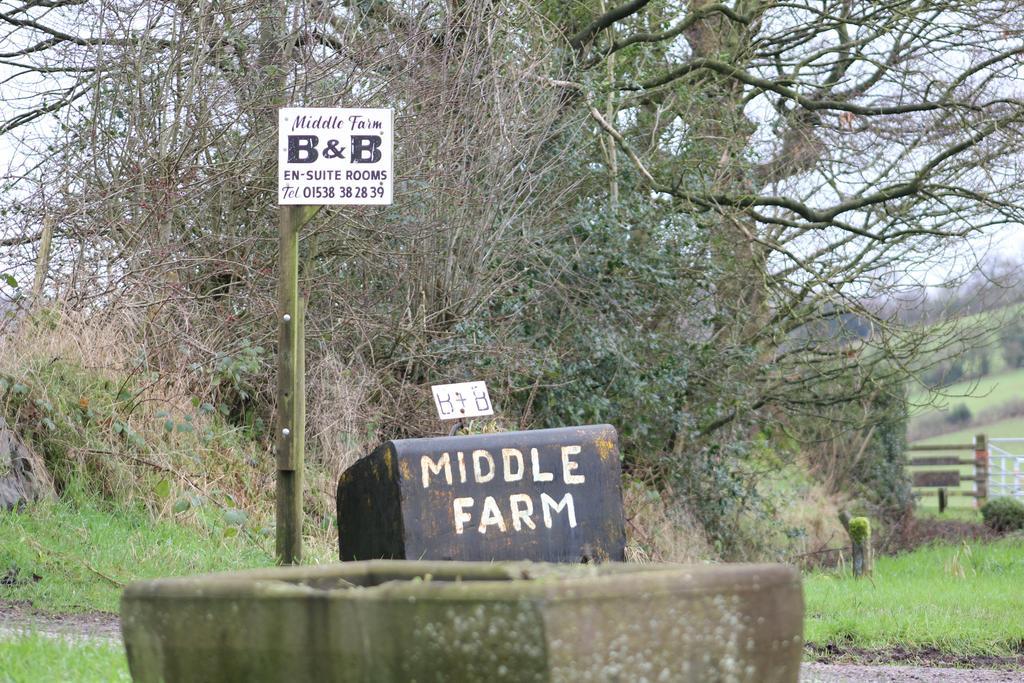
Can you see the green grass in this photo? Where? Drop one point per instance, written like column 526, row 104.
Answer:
column 962, row 599
column 959, row 514
column 85, row 555
column 1012, row 427
column 930, row 503
column 36, row 658
column 982, row 394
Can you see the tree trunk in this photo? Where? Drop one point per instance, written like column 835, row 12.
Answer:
column 26, row 478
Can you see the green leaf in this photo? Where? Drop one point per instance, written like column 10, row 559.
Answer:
column 181, row 505
column 49, row 424
column 235, row 517
column 230, row 532
column 20, row 389
column 207, row 408
column 9, row 279
column 118, row 427
column 169, row 425
column 162, row 413
column 185, row 428
column 162, row 489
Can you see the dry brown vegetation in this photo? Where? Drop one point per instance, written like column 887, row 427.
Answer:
column 697, row 221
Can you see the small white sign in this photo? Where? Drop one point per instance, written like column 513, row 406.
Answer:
column 467, row 399
column 334, row 156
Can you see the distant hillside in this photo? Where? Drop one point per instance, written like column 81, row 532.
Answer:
column 978, row 388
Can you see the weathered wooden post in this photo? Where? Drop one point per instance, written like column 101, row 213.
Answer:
column 325, row 157
column 291, row 394
column 860, row 537
column 942, row 500
column 981, row 468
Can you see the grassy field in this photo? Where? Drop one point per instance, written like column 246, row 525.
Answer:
column 1013, row 427
column 982, row 394
column 66, row 558
column 35, row 658
column 83, row 556
column 963, row 599
column 986, row 398
column 960, row 514
column 958, row 599
column 989, row 342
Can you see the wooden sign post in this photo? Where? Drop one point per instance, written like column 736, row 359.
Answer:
column 291, row 387
column 325, row 157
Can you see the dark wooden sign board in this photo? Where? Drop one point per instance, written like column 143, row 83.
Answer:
column 942, row 460
column 945, row 478
column 551, row 495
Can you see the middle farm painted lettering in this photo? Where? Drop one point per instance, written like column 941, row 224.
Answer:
column 519, row 511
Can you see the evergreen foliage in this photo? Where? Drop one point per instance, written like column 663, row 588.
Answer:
column 1003, row 514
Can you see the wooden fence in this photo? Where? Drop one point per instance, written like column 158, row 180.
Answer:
column 945, row 483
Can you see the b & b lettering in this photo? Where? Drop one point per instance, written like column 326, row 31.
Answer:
column 365, row 149
column 302, row 149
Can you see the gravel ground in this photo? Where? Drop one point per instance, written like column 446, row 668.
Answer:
column 856, row 673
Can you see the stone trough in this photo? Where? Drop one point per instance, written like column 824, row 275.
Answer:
column 405, row 621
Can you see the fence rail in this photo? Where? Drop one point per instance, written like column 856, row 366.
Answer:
column 998, row 469
column 945, row 483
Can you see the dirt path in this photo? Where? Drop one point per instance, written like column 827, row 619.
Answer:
column 18, row 617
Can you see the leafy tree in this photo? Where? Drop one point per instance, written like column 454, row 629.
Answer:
column 1011, row 339
column 687, row 218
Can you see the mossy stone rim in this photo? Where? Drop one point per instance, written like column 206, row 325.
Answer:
column 472, row 622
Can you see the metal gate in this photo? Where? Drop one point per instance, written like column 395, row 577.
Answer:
column 1006, row 467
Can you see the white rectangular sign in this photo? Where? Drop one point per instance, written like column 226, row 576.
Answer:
column 467, row 399
column 334, row 156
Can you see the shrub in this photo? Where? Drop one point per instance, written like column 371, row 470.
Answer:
column 1003, row 514
column 959, row 415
